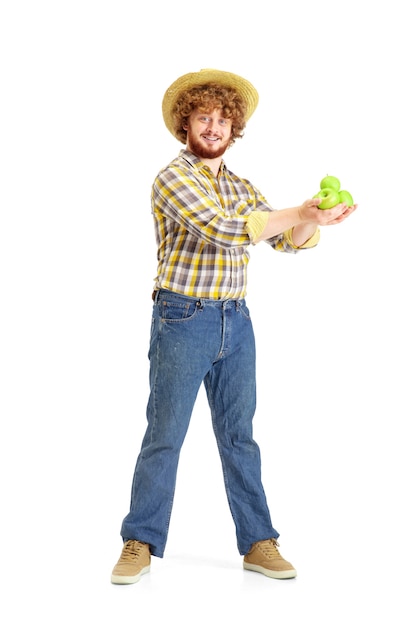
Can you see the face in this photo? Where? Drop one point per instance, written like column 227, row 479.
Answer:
column 208, row 134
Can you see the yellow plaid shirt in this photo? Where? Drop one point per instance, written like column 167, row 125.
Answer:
column 204, row 226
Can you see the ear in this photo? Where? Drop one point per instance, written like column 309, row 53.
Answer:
column 185, row 126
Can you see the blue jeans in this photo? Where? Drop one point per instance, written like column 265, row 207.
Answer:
column 195, row 340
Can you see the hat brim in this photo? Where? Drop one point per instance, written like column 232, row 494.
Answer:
column 206, row 76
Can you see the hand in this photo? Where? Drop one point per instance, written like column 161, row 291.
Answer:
column 309, row 213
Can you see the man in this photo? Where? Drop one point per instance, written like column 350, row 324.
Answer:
column 206, row 218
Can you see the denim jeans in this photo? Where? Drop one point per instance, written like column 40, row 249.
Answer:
column 193, row 341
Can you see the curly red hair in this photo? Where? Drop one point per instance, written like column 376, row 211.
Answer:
column 205, row 98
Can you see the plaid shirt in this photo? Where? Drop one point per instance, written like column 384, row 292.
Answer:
column 203, row 229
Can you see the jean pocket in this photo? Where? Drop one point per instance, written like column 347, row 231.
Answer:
column 243, row 310
column 178, row 311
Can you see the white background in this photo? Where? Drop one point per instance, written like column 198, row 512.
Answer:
column 82, row 138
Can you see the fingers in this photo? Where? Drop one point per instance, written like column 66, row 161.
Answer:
column 347, row 210
column 325, row 217
column 335, row 215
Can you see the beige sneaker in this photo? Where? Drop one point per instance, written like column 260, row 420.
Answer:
column 264, row 557
column 134, row 561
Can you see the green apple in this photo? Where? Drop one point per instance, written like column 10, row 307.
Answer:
column 345, row 196
column 329, row 198
column 330, row 182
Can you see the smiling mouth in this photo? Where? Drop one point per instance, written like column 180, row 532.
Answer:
column 211, row 139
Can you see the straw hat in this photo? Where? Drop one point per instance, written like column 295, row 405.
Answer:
column 244, row 88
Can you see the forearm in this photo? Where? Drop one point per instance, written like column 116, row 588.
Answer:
column 302, row 221
column 284, row 219
column 302, row 233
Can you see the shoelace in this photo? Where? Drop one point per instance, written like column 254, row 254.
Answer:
column 131, row 551
column 270, row 548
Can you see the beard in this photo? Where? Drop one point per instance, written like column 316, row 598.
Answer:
column 197, row 147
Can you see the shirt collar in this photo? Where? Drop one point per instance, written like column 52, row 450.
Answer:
column 194, row 160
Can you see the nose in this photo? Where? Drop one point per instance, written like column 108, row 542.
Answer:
column 213, row 125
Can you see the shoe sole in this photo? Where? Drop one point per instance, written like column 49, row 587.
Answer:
column 283, row 575
column 128, row 580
